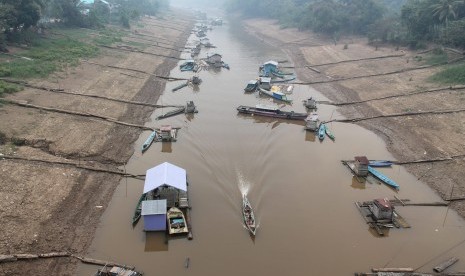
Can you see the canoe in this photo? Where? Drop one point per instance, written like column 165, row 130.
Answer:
column 275, row 95
column 383, row 178
column 321, row 131
column 270, row 111
column 138, row 211
column 149, row 141
column 329, row 133
column 284, row 80
column 171, row 113
column 116, row 271
column 380, row 163
column 180, row 86
column 176, row 221
column 248, row 215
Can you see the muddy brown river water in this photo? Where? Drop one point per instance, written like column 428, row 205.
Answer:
column 302, row 195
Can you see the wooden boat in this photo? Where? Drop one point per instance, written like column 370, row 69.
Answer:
column 275, row 94
column 383, row 178
column 117, row 271
column 149, row 141
column 270, row 111
column 321, row 131
column 284, row 80
column 248, row 215
column 329, row 133
column 252, row 86
column 138, row 210
column 176, row 221
column 180, row 86
column 380, row 163
column 171, row 113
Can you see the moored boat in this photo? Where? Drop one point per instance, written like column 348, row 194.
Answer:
column 270, row 111
column 149, row 141
column 278, row 95
column 117, row 271
column 252, row 86
column 329, row 133
column 310, row 103
column 383, row 178
column 138, row 211
column 172, row 113
column 321, row 131
column 176, row 221
column 380, row 163
column 248, row 215
column 189, row 65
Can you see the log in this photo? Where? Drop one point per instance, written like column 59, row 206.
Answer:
column 54, row 255
column 444, row 265
column 77, row 165
column 141, row 52
column 393, row 269
column 100, row 262
column 26, row 256
column 113, row 120
column 7, row 258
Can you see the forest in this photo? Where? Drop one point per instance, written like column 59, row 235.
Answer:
column 412, row 23
column 17, row 17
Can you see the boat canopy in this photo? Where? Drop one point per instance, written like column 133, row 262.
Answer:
column 253, row 82
column 271, row 62
column 165, row 174
column 266, row 107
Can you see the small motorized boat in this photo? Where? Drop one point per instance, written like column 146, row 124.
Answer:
column 252, row 86
column 117, row 271
column 177, row 111
column 176, row 221
column 271, row 111
column 275, row 93
column 249, row 217
column 329, row 133
column 149, row 141
column 380, row 163
column 322, row 132
column 383, row 178
column 138, row 211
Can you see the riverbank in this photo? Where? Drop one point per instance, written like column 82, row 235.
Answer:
column 56, row 207
column 351, row 70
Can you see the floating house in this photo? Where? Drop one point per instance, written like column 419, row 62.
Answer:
column 382, row 209
column 214, row 59
column 154, row 215
column 268, row 67
column 311, row 122
column 167, row 133
column 265, row 83
column 166, row 187
column 361, row 165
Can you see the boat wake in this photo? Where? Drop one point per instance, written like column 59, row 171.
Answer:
column 243, row 184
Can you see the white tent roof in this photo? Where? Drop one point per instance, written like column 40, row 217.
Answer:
column 165, row 174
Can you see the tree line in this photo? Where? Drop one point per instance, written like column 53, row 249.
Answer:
column 17, row 17
column 407, row 22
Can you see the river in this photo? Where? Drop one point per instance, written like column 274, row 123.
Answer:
column 302, row 195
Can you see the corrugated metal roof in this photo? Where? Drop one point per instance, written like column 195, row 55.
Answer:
column 362, row 159
column 154, row 207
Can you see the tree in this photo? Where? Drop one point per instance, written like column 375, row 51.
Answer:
column 21, row 13
column 446, row 9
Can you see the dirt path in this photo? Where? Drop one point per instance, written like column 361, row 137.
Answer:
column 48, row 207
column 409, row 137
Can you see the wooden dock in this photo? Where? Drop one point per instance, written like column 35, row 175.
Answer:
column 378, row 225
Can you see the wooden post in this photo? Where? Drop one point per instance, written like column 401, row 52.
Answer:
column 444, row 265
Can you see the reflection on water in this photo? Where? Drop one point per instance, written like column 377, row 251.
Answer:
column 358, row 183
column 156, row 241
column 274, row 122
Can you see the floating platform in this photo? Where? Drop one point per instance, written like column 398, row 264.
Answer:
column 378, row 225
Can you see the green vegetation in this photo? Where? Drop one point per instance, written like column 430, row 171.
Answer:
column 451, row 75
column 108, row 37
column 47, row 56
column 437, row 56
column 7, row 88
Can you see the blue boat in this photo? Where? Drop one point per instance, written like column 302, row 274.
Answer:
column 189, row 65
column 380, row 163
column 275, row 94
column 383, row 178
column 149, row 141
column 322, row 132
column 284, row 80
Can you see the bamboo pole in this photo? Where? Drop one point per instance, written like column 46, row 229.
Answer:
column 446, row 264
